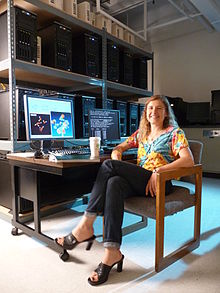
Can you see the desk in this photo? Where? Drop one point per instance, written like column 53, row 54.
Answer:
column 28, row 178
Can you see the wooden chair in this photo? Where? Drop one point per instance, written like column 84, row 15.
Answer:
column 180, row 199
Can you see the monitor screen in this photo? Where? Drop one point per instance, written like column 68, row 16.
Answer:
column 104, row 123
column 48, row 118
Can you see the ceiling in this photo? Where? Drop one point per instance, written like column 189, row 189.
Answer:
column 166, row 18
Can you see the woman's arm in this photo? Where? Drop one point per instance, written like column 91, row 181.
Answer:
column 185, row 160
column 119, row 149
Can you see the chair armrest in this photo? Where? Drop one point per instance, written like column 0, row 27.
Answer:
column 180, row 172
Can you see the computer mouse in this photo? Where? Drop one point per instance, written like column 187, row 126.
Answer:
column 38, row 154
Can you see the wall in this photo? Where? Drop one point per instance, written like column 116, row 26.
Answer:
column 188, row 66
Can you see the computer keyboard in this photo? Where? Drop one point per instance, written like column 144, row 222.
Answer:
column 70, row 151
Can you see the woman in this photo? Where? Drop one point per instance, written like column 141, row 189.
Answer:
column 161, row 146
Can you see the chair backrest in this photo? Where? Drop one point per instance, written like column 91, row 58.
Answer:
column 196, row 148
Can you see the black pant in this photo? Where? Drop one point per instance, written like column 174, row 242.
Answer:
column 116, row 180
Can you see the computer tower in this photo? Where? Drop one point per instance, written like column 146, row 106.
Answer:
column 113, row 62
column 82, row 106
column 122, row 107
column 132, row 117
column 56, row 40
column 86, row 55
column 126, row 68
column 140, row 111
column 140, row 72
column 109, row 103
column 4, row 113
column 26, row 35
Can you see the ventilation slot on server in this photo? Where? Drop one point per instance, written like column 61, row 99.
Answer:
column 112, row 62
column 86, row 55
column 56, row 42
column 26, row 35
column 82, row 106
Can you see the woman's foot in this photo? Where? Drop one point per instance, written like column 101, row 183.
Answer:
column 83, row 231
column 111, row 257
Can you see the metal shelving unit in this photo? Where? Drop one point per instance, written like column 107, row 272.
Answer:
column 17, row 71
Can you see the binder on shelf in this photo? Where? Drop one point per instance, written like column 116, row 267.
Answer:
column 70, row 7
column 117, row 31
column 38, row 50
column 150, row 75
column 104, row 22
column 84, row 11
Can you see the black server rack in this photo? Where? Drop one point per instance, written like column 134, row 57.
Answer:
column 122, row 107
column 126, row 68
column 132, row 117
column 26, row 35
column 82, row 106
column 86, row 57
column 113, row 59
column 4, row 113
column 140, row 111
column 109, row 103
column 140, row 72
column 56, row 40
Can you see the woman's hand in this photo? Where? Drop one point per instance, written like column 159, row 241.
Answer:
column 116, row 155
column 152, row 185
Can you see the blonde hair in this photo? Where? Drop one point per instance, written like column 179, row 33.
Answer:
column 169, row 120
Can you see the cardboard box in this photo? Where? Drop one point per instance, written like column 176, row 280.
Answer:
column 92, row 18
column 55, row 3
column 128, row 37
column 70, row 7
column 84, row 11
column 103, row 22
column 117, row 31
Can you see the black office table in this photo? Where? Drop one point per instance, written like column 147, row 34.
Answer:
column 26, row 182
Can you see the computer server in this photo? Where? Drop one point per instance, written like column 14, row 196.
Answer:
column 86, row 55
column 132, row 117
column 4, row 113
column 179, row 108
column 113, row 59
column 109, row 102
column 82, row 106
column 140, row 72
column 122, row 107
column 56, row 40
column 126, row 68
column 140, row 111
column 26, row 35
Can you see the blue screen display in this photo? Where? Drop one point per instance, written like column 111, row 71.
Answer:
column 48, row 117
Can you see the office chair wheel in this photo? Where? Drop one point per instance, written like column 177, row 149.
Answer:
column 64, row 255
column 14, row 231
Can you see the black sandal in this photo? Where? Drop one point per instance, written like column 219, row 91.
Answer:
column 103, row 271
column 70, row 242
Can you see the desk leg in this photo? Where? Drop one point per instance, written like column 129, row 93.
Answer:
column 21, row 180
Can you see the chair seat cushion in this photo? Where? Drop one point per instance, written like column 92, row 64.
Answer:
column 180, row 199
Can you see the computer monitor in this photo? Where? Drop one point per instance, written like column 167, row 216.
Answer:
column 104, row 123
column 48, row 118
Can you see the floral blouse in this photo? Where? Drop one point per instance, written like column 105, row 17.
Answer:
column 163, row 150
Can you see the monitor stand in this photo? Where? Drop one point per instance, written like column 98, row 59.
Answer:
column 39, row 154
